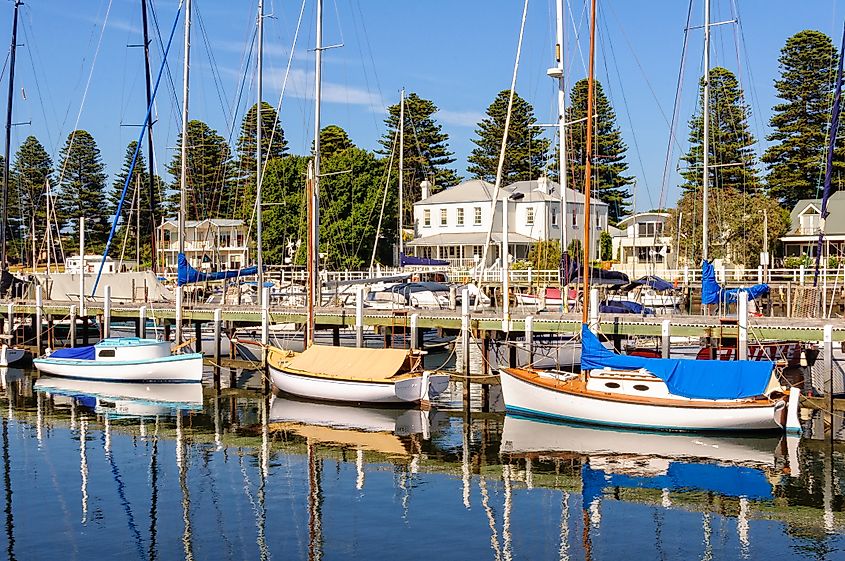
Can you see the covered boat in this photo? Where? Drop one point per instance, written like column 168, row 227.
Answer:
column 654, row 393
column 123, row 359
column 354, row 374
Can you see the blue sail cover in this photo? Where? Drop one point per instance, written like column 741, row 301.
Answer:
column 412, row 260
column 79, row 353
column 712, row 293
column 187, row 274
column 725, row 480
column 695, row 379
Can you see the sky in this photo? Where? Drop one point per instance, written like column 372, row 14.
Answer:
column 77, row 68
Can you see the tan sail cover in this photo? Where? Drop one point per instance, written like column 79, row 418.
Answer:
column 349, row 363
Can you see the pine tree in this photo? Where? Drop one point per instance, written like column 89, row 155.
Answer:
column 209, row 181
column 139, row 180
column 273, row 145
column 82, row 183
column 525, row 154
column 731, row 141
column 31, row 169
column 796, row 160
column 333, row 139
column 284, row 222
column 609, row 180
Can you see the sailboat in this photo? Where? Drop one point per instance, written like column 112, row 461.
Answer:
column 649, row 393
column 8, row 355
column 341, row 373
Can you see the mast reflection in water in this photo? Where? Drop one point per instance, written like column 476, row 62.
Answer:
column 285, row 479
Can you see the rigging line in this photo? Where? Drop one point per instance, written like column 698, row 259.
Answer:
column 628, row 113
column 177, row 104
column 378, row 125
column 85, row 93
column 739, row 41
column 137, row 151
column 215, row 71
column 577, row 37
column 676, row 110
column 383, row 201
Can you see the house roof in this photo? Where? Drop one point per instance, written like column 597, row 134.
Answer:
column 218, row 222
column 835, row 222
column 469, row 238
column 634, row 217
column 476, row 190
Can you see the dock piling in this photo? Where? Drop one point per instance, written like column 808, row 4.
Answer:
column 9, row 328
column 218, row 325
column 453, row 297
column 742, row 317
column 664, row 339
column 359, row 316
column 39, row 319
column 529, row 337
column 72, row 330
column 142, row 322
column 465, row 341
column 106, row 311
column 198, row 336
column 414, row 332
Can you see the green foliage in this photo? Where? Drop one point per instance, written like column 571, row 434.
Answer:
column 82, row 183
column 736, row 226
column 525, row 152
column 605, row 246
column 796, row 261
column 241, row 202
column 545, row 255
column 209, row 193
column 731, row 141
column 426, row 150
column 284, row 215
column 31, row 169
column 801, row 122
column 575, row 249
column 610, row 184
column 333, row 139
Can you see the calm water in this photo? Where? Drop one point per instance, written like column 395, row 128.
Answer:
column 100, row 471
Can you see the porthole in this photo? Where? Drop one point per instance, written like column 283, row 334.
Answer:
column 612, row 385
column 106, row 353
column 641, row 388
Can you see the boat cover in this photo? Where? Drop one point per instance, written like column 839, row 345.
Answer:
column 726, row 480
column 79, row 353
column 350, row 362
column 414, row 260
column 624, row 307
column 712, row 293
column 651, row 281
column 187, row 274
column 694, row 379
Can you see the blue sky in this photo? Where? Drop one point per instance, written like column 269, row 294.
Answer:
column 459, row 54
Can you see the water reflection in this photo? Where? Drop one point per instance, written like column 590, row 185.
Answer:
column 283, row 478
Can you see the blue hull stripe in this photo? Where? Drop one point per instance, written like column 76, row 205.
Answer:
column 110, row 363
column 540, row 415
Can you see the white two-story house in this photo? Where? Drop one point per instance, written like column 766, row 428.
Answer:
column 803, row 235
column 453, row 224
column 215, row 244
column 641, row 245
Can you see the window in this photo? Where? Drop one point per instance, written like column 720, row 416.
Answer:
column 225, row 239
column 443, row 216
column 460, row 217
column 809, row 223
column 649, row 229
column 477, row 251
column 529, row 216
column 427, row 218
column 554, row 216
column 477, row 220
column 574, row 217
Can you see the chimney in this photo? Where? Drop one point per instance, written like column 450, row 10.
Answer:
column 543, row 184
column 424, row 187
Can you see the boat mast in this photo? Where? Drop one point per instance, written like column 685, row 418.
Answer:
column 314, row 191
column 401, row 175
column 259, row 261
column 705, row 223
column 151, row 161
column 588, row 166
column 183, row 180
column 5, row 219
column 557, row 72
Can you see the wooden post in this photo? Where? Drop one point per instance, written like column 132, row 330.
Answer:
column 39, row 317
column 529, row 338
column 788, row 299
column 106, row 311
column 198, row 335
column 137, row 323
column 10, row 316
column 742, row 322
column 801, row 275
column 413, row 344
column 50, row 332
column 465, row 342
column 84, row 320
column 335, row 336
column 265, row 334
column 453, row 297
column 218, row 325
column 72, row 330
column 166, row 330
column 359, row 317
column 828, row 363
column 664, row 339
column 142, row 322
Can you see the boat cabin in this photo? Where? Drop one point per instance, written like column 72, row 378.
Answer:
column 130, row 348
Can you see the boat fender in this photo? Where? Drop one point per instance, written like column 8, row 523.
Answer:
column 793, row 423
column 426, row 390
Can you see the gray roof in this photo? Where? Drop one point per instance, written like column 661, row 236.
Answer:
column 634, row 217
column 476, row 190
column 468, row 238
column 219, row 222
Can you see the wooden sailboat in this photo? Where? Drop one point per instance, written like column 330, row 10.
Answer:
column 335, row 373
column 649, row 393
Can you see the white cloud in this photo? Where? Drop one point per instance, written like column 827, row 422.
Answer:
column 460, row 118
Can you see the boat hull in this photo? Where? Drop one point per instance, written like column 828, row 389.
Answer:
column 526, row 397
column 407, row 390
column 11, row 355
column 175, row 368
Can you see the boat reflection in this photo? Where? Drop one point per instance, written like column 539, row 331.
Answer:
column 119, row 400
